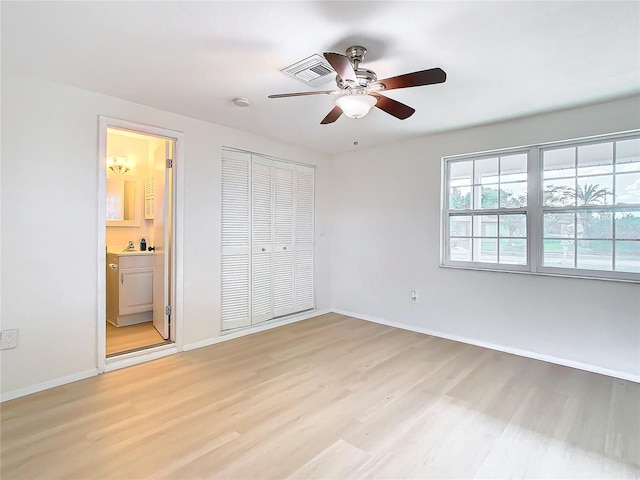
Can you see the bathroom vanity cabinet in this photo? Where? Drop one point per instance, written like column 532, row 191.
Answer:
column 129, row 288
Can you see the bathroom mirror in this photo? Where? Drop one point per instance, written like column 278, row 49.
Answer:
column 122, row 203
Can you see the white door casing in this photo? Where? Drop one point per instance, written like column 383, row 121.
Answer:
column 176, row 228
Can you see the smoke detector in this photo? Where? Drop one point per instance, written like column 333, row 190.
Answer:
column 241, row 102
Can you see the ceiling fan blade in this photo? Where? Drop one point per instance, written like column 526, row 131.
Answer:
column 301, row 94
column 393, row 107
column 332, row 116
column 341, row 65
column 415, row 79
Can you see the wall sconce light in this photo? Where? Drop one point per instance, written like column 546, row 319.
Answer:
column 120, row 165
column 356, row 105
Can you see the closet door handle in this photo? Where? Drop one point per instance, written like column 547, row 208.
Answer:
column 284, row 248
column 264, row 249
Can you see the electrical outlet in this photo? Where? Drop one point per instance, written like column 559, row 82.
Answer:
column 9, row 339
column 414, row 296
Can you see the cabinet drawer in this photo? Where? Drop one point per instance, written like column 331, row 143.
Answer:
column 136, row 261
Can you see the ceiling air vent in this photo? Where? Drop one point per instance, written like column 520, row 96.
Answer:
column 313, row 70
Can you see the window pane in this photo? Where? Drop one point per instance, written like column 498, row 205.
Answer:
column 627, row 256
column 628, row 155
column 595, row 224
column 486, row 171
column 513, row 168
column 460, row 173
column 486, row 196
column 460, row 249
column 513, row 225
column 460, row 226
column 460, row 198
column 595, row 159
column 558, row 253
column 628, row 225
column 595, row 191
column 559, row 163
column 513, row 195
column 559, row 225
column 628, row 189
column 513, row 251
column 485, row 250
column 485, row 226
column 559, row 193
column 595, row 255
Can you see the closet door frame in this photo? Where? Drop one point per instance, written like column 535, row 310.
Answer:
column 281, row 248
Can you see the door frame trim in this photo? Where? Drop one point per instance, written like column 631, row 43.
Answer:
column 177, row 293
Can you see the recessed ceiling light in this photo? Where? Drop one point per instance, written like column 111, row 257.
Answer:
column 241, row 102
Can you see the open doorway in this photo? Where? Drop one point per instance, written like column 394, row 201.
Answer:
column 139, row 239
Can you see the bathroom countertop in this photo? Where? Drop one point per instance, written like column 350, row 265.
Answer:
column 134, row 252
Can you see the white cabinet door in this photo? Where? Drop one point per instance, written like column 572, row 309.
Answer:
column 304, row 233
column 236, row 221
column 136, row 290
column 283, row 233
column 262, row 239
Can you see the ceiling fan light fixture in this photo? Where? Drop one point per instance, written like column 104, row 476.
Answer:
column 356, row 105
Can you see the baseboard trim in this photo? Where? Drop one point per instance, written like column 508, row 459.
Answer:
column 39, row 387
column 500, row 348
column 258, row 328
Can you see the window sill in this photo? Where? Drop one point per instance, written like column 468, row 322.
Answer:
column 579, row 276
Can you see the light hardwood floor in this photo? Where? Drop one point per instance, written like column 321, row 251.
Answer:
column 331, row 397
column 132, row 337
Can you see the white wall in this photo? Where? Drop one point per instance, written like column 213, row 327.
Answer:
column 382, row 240
column 385, row 242
column 50, row 217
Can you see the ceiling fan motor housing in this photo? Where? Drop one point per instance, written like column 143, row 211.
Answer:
column 364, row 76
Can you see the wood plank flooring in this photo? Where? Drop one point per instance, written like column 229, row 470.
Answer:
column 132, row 337
column 331, row 397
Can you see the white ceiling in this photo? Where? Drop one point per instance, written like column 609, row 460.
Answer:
column 503, row 59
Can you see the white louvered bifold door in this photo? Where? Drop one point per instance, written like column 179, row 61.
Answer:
column 262, row 239
column 283, row 238
column 236, row 232
column 304, row 232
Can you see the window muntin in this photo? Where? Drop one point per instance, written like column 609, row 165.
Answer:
column 586, row 220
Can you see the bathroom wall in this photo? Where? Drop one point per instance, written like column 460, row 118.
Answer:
column 139, row 150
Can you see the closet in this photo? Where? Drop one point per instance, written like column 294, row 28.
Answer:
column 267, row 238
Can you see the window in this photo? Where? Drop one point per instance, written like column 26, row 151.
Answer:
column 568, row 208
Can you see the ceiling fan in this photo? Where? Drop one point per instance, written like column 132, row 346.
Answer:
column 360, row 89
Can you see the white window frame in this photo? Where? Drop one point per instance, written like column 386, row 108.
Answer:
column 534, row 211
